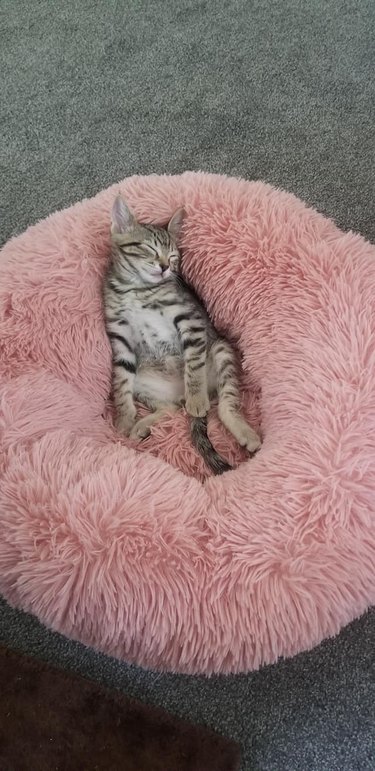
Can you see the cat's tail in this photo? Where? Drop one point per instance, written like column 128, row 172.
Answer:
column 201, row 442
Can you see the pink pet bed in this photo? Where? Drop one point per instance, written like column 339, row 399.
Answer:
column 137, row 551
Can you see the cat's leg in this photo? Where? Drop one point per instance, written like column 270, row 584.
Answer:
column 223, row 362
column 124, row 369
column 193, row 337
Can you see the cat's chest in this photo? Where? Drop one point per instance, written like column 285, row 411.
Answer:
column 153, row 332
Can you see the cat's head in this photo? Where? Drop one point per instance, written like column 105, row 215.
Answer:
column 149, row 252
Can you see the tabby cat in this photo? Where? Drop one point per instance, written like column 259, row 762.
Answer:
column 165, row 349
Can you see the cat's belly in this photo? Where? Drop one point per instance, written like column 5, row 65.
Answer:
column 160, row 382
column 154, row 335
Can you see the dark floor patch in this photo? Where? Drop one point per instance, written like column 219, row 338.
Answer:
column 50, row 719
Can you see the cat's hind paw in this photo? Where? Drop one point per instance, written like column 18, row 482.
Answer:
column 248, row 438
column 197, row 405
column 141, row 429
column 124, row 423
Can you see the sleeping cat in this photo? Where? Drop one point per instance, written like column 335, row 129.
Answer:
column 166, row 352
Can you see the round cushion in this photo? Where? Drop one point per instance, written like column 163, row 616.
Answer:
column 137, row 550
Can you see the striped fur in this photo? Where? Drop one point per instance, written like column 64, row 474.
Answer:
column 165, row 349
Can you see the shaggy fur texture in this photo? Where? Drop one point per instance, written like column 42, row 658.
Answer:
column 137, row 551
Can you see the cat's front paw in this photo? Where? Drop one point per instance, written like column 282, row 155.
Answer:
column 174, row 264
column 198, row 405
column 124, row 422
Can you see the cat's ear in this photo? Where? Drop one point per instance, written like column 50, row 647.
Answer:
column 121, row 218
column 175, row 223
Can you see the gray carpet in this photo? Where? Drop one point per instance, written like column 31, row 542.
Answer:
column 281, row 90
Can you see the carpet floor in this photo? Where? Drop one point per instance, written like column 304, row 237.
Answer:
column 281, row 90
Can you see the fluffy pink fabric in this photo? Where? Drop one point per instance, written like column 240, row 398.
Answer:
column 137, row 551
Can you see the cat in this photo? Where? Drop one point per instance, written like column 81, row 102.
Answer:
column 165, row 350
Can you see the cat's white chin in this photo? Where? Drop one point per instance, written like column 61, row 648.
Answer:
column 156, row 278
